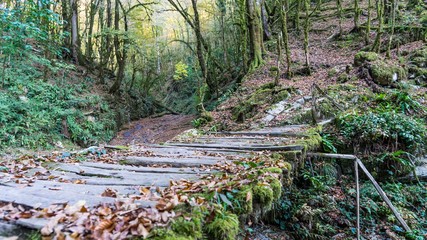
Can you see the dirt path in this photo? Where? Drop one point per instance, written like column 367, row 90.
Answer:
column 153, row 130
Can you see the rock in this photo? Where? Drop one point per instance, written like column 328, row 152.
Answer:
column 362, row 57
column 386, row 74
column 418, row 66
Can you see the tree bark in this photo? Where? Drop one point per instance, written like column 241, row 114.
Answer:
column 255, row 32
column 306, row 36
column 74, row 31
column 284, row 8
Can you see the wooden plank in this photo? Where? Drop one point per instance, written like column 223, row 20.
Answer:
column 130, row 179
column 42, row 195
column 180, row 162
column 243, row 147
column 173, row 151
column 264, row 133
column 384, row 196
column 39, row 197
column 131, row 172
column 188, row 170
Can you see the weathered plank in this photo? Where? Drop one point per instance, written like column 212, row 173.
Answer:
column 173, row 151
column 189, row 170
column 130, row 179
column 242, row 147
column 44, row 193
column 286, row 131
column 174, row 162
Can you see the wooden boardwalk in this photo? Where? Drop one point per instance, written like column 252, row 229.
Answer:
column 122, row 175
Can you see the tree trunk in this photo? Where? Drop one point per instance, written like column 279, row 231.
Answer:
column 356, row 15
column 120, row 51
column 306, row 36
column 74, row 31
column 339, row 9
column 393, row 19
column 264, row 17
column 368, row 23
column 284, row 8
column 380, row 12
column 93, row 9
column 255, row 32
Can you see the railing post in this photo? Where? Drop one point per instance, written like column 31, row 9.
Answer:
column 356, row 173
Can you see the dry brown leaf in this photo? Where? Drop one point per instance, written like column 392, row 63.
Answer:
column 142, row 231
column 109, row 193
column 104, row 224
column 248, row 196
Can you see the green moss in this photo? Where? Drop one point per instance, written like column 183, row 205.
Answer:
column 361, row 57
column 343, row 78
column 263, row 195
column 163, row 234
column 266, row 94
column 385, row 74
column 276, row 186
column 225, row 226
column 207, row 116
column 272, row 170
column 191, row 228
column 291, row 156
column 281, row 95
column 313, row 140
column 245, row 199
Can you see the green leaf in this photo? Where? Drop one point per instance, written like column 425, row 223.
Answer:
column 225, row 200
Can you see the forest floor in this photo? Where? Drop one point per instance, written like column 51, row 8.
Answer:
column 153, row 129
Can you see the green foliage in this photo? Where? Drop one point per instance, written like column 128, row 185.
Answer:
column 397, row 129
column 191, row 228
column 225, row 226
column 180, row 71
column 37, row 114
column 264, row 195
column 362, row 57
column 328, row 143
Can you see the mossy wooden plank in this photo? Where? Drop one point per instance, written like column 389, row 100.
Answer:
column 243, row 147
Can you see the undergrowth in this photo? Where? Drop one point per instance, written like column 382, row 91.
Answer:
column 38, row 113
column 325, row 207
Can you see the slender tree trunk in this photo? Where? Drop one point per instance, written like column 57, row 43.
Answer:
column 279, row 58
column 368, row 23
column 74, row 31
column 120, row 51
column 297, row 15
column 393, row 19
column 339, row 10
column 284, row 8
column 306, row 36
column 356, row 15
column 264, row 17
column 255, row 30
column 93, row 9
column 380, row 12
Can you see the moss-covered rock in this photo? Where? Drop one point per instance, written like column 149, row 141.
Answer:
column 418, row 66
column 225, row 226
column 266, row 94
column 191, row 228
column 272, row 170
column 245, row 199
column 362, row 57
column 163, row 234
column 276, row 186
column 263, row 195
column 386, row 74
